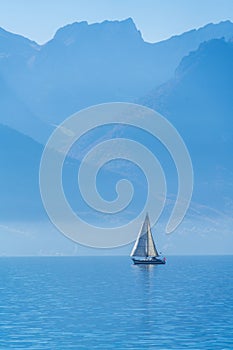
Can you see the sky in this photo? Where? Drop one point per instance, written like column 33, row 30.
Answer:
column 156, row 19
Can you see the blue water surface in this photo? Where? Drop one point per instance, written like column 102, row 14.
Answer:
column 108, row 303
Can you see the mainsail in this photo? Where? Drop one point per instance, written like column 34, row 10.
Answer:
column 144, row 245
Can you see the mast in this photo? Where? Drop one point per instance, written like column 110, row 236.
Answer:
column 144, row 245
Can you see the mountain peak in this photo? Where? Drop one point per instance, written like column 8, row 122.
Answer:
column 224, row 27
column 217, row 49
column 4, row 34
column 15, row 44
column 117, row 29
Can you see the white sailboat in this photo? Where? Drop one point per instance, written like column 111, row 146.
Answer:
column 144, row 250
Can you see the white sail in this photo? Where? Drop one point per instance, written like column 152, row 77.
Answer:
column 144, row 245
column 140, row 246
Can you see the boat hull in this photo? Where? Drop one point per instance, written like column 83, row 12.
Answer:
column 149, row 262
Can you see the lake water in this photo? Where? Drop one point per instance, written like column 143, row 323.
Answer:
column 108, row 303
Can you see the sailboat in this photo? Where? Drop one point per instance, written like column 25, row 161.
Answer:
column 144, row 250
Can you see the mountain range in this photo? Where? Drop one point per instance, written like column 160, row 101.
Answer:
column 84, row 65
column 187, row 78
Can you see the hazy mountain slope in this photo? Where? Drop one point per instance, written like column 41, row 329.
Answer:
column 200, row 96
column 17, row 114
column 19, row 176
column 170, row 52
column 198, row 101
